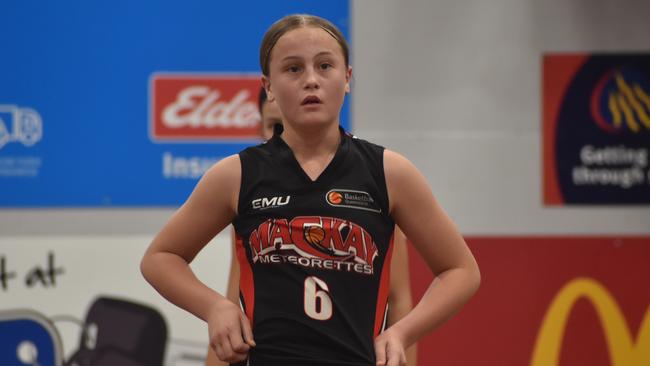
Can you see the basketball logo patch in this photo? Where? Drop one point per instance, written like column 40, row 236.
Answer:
column 334, row 198
column 352, row 199
column 314, row 235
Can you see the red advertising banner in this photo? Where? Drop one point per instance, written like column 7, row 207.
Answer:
column 596, row 129
column 548, row 301
column 213, row 107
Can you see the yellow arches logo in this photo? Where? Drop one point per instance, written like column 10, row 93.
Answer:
column 623, row 349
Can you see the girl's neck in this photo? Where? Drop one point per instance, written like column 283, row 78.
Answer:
column 312, row 143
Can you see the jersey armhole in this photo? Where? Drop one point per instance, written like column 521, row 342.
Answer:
column 242, row 184
column 385, row 182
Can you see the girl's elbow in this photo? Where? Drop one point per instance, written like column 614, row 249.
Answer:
column 145, row 266
column 475, row 278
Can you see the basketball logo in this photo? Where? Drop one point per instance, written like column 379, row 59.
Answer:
column 335, row 198
column 314, row 235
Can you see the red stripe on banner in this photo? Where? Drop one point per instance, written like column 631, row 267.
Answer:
column 384, row 287
column 594, row 103
column 558, row 71
column 246, row 283
column 524, row 281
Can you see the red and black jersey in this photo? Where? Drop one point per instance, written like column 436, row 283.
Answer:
column 314, row 255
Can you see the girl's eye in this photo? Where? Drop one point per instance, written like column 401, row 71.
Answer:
column 293, row 69
column 325, row 66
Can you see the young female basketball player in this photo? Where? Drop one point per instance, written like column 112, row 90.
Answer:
column 399, row 299
column 314, row 210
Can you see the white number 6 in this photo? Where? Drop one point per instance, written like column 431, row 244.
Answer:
column 318, row 303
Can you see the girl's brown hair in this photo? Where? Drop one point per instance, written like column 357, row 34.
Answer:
column 290, row 22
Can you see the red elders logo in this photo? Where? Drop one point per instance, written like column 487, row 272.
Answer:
column 314, row 241
column 204, row 107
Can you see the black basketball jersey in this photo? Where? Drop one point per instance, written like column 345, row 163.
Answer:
column 314, row 255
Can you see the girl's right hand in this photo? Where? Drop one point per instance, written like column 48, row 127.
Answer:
column 231, row 336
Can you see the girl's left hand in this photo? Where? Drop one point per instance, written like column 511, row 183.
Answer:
column 389, row 349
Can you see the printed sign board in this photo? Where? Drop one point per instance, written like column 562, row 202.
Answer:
column 596, row 129
column 128, row 103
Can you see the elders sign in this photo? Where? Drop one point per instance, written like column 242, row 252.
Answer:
column 204, row 108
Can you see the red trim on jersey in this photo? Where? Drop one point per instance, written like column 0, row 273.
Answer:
column 246, row 285
column 384, row 288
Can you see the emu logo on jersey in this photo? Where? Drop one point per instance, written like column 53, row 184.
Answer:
column 314, row 241
column 264, row 203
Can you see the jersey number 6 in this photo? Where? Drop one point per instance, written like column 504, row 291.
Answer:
column 318, row 303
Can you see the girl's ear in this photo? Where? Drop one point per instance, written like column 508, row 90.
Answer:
column 266, row 83
column 348, row 77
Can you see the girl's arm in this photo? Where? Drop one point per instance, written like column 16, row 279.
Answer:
column 165, row 264
column 441, row 246
column 400, row 301
column 232, row 293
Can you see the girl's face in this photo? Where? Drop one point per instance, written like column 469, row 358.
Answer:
column 308, row 77
column 270, row 117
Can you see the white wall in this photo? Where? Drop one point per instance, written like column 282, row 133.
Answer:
column 455, row 87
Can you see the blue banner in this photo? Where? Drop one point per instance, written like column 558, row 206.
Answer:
column 126, row 103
